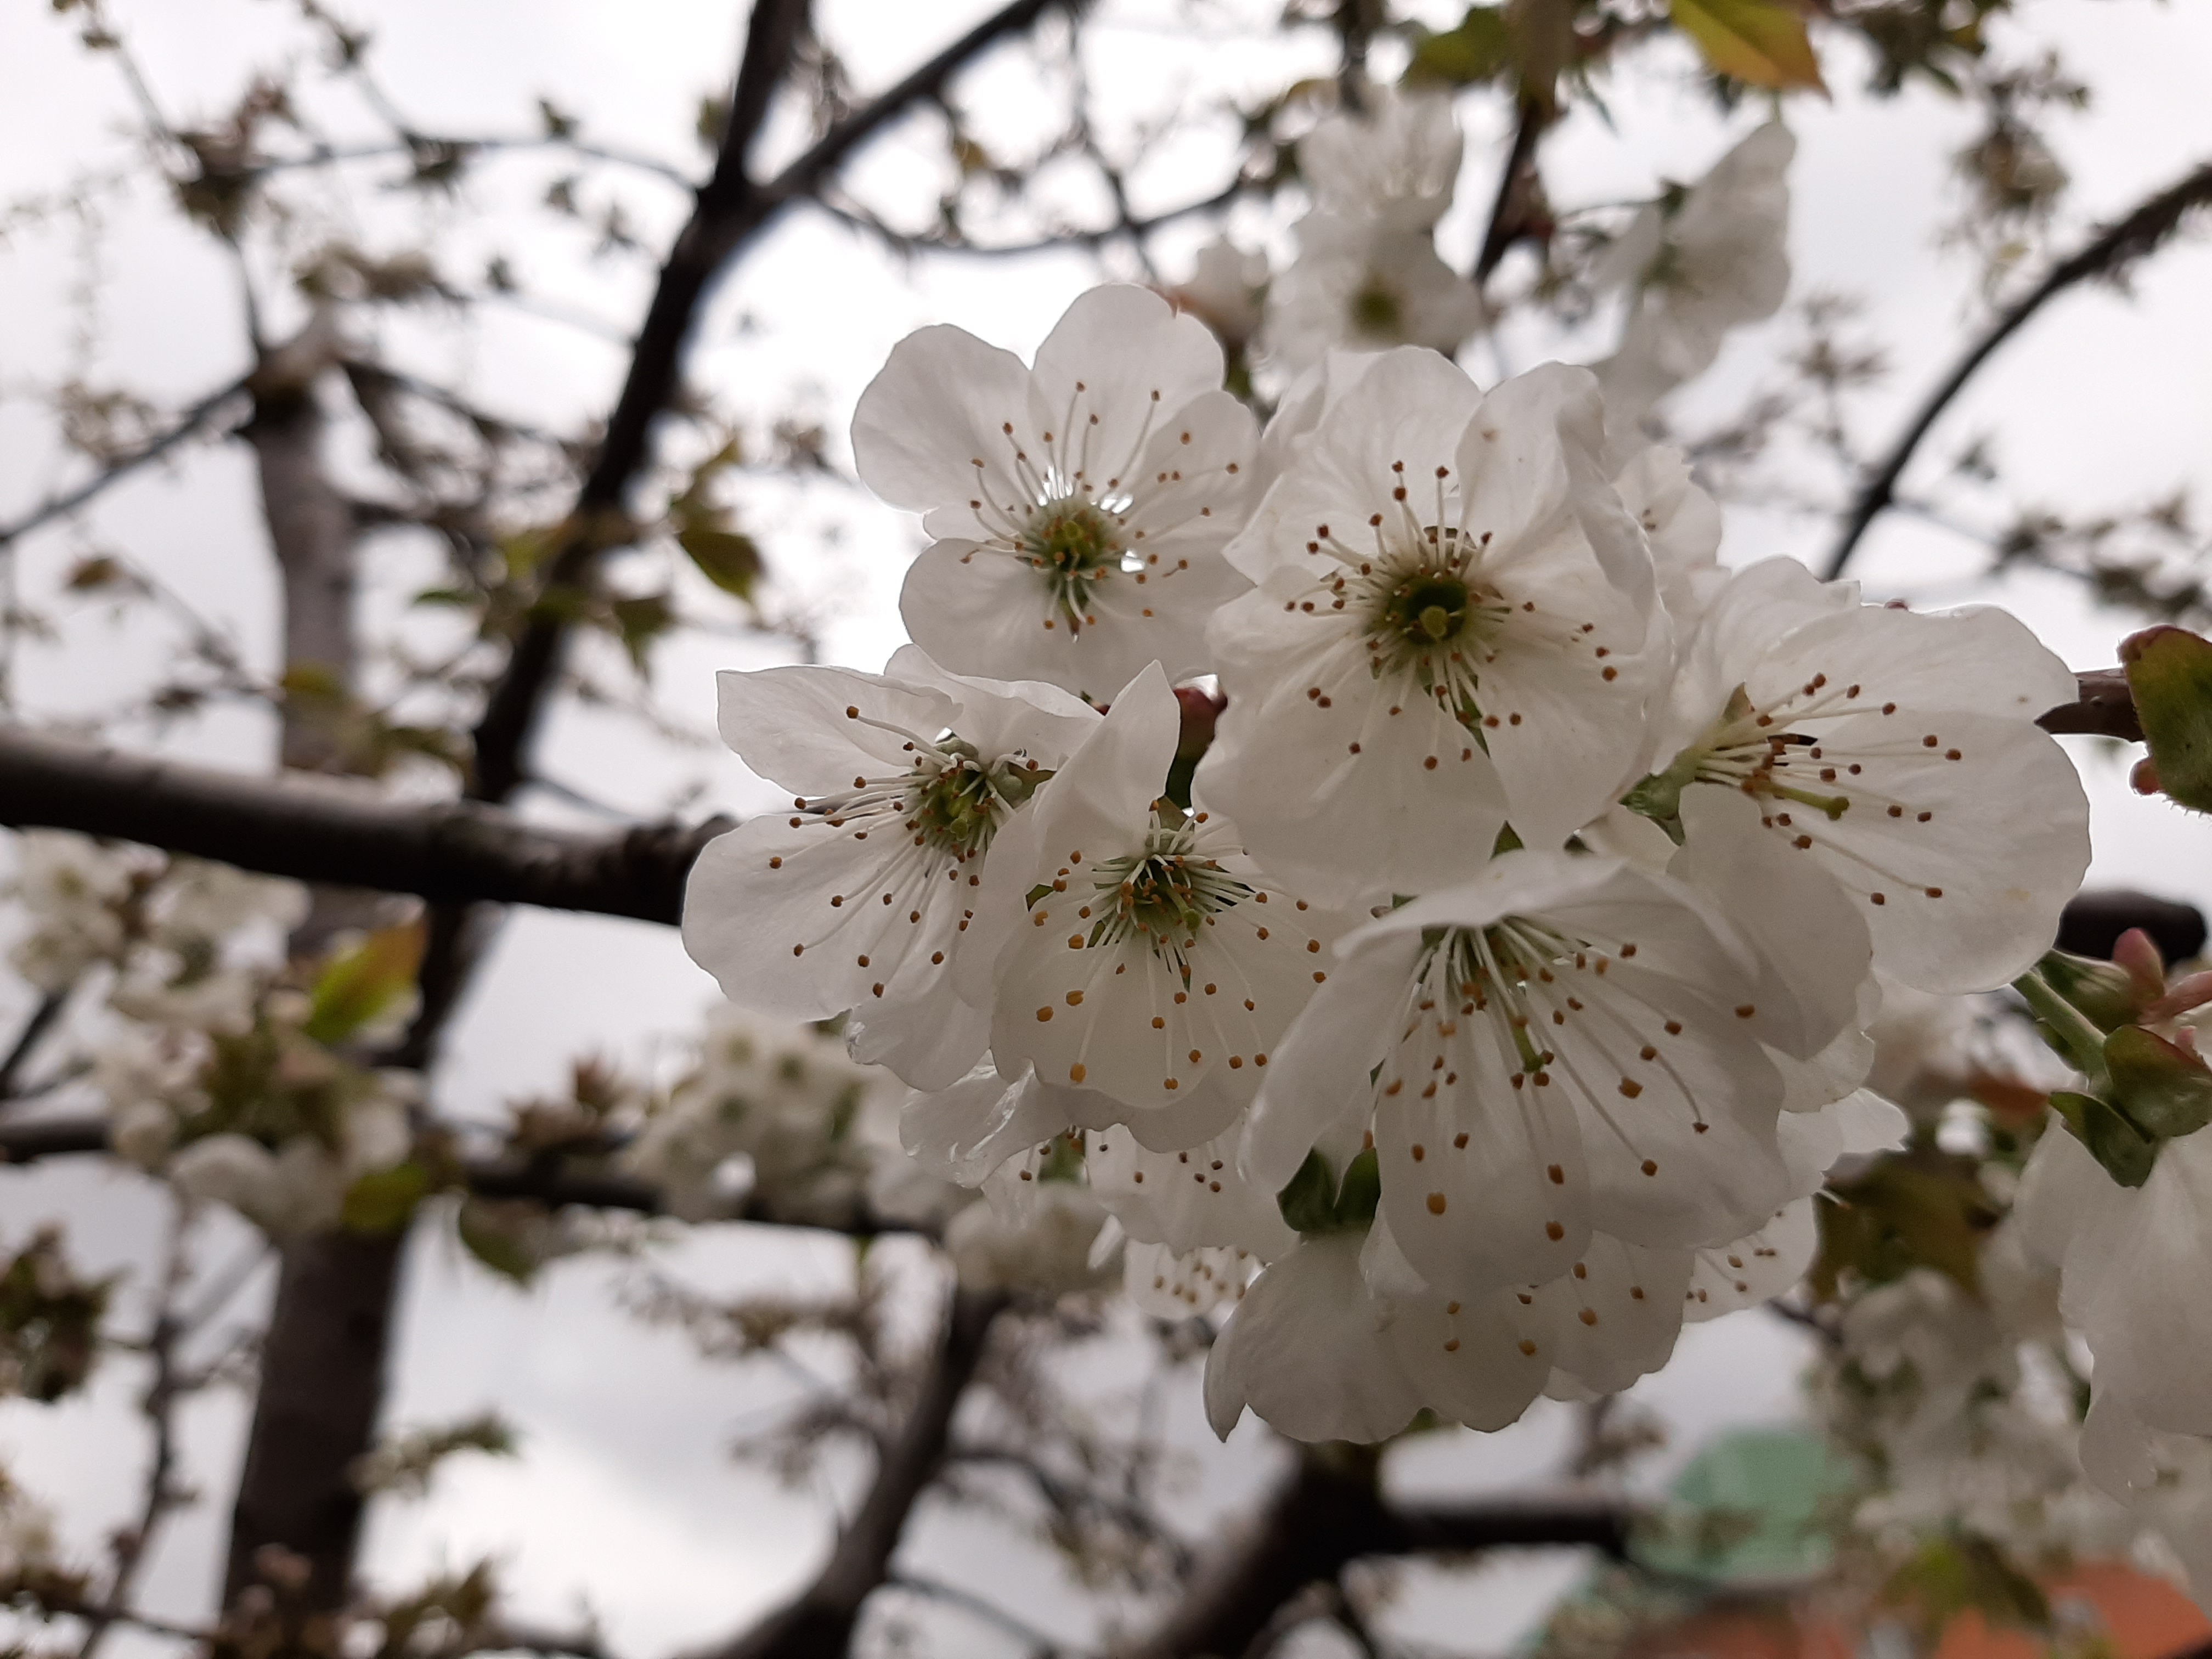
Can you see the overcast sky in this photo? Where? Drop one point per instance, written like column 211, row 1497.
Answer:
column 624, row 1501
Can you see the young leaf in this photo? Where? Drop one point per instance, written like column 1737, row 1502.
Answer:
column 728, row 558
column 365, row 982
column 384, row 1200
column 1762, row 42
column 2170, row 674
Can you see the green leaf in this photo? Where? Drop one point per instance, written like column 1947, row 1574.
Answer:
column 2124, row 1151
column 1476, row 49
column 384, row 1200
column 502, row 1236
column 1958, row 1573
column 1919, row 1208
column 1762, row 42
column 640, row 620
column 363, row 982
column 728, row 558
column 2170, row 673
column 2163, row 1089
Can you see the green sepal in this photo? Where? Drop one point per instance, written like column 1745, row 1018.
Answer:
column 2170, row 675
column 1356, row 1200
column 2098, row 989
column 2163, row 1090
column 2125, row 1151
column 1314, row 1203
column 1309, row 1201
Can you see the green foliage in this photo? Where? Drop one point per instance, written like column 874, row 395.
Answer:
column 1919, row 1207
column 385, row 1200
column 2170, row 674
column 1762, row 43
column 49, row 1323
column 1475, row 50
column 361, row 983
column 505, row 1236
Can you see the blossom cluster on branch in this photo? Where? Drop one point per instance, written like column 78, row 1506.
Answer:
column 1380, row 870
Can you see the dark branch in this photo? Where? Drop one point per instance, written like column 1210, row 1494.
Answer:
column 820, row 1622
column 1329, row 1513
column 1516, row 185
column 333, row 832
column 194, row 420
column 2127, row 240
column 730, row 211
column 36, row 1028
column 458, row 852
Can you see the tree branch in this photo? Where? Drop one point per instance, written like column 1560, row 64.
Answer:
column 730, row 211
column 1329, row 1513
column 1509, row 211
column 818, row 1623
column 194, row 420
column 461, row 851
column 2126, row 239
column 327, row 831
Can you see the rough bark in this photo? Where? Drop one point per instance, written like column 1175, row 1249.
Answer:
column 322, row 1357
column 322, row 1386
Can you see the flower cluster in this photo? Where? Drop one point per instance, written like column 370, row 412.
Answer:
column 215, row 1058
column 1494, row 987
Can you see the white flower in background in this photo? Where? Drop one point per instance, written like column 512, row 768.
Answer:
column 1365, row 284
column 787, row 1100
column 298, row 1188
column 1898, row 751
column 1395, row 161
column 1155, row 955
column 1456, row 626
column 1079, row 506
column 1695, row 265
column 75, row 890
column 199, row 905
column 1225, row 292
column 860, row 894
column 1563, row 1039
column 2164, row 1481
column 27, row 1532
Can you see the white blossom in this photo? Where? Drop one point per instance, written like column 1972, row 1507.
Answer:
column 1344, row 1338
column 1038, row 1229
column 1170, row 1285
column 1362, row 283
column 74, row 890
column 1695, row 265
column 1897, row 751
column 1562, row 1039
column 860, row 894
column 1227, row 287
column 1396, row 159
column 1455, row 627
column 785, row 1098
column 1079, row 506
column 1155, row 955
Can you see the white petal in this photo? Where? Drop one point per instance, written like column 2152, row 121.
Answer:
column 1757, row 1267
column 934, row 411
column 1303, row 1350
column 791, row 724
column 1615, row 1315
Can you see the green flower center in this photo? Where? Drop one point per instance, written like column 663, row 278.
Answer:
column 959, row 802
column 1162, row 894
column 1073, row 546
column 1376, row 310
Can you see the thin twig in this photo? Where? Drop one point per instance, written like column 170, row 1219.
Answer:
column 2128, row 239
column 27, row 1040
column 196, row 417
